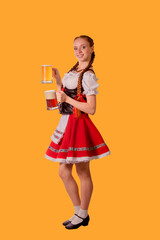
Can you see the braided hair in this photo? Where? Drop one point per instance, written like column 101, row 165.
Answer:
column 91, row 43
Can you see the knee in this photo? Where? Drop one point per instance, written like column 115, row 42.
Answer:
column 83, row 172
column 80, row 172
column 65, row 173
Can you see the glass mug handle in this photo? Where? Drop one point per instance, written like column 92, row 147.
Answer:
column 59, row 105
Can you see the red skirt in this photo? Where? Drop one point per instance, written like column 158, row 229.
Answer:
column 81, row 142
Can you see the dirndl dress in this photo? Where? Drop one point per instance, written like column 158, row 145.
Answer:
column 77, row 140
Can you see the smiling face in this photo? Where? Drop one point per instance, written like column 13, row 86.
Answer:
column 82, row 50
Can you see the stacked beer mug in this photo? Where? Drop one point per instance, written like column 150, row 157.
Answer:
column 50, row 95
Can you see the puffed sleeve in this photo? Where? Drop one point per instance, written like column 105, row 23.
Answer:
column 89, row 84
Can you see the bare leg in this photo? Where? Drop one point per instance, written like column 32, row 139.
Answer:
column 65, row 173
column 84, row 174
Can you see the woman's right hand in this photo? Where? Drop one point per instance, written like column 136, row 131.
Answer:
column 56, row 75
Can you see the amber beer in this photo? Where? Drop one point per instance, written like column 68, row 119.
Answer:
column 46, row 74
column 51, row 99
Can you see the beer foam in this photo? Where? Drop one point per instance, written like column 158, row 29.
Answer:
column 50, row 94
column 46, row 65
column 50, row 91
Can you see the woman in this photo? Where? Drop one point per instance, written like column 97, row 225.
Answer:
column 76, row 140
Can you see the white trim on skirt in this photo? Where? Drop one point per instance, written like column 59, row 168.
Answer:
column 77, row 159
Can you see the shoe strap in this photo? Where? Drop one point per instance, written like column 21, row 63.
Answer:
column 79, row 216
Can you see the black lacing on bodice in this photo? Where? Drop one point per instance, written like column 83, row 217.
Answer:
column 66, row 108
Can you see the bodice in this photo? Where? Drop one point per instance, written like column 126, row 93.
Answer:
column 70, row 81
column 66, row 108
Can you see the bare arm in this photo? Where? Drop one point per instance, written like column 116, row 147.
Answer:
column 88, row 107
column 59, row 85
column 56, row 75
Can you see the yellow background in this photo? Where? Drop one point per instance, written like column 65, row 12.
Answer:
column 125, row 200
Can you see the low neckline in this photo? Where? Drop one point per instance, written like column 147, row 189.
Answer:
column 84, row 73
column 74, row 71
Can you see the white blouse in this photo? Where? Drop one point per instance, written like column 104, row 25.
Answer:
column 89, row 82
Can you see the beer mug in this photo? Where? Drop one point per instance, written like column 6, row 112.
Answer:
column 46, row 74
column 51, row 99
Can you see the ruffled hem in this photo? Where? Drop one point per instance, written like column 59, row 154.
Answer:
column 69, row 160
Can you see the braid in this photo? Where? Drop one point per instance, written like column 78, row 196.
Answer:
column 81, row 74
column 74, row 67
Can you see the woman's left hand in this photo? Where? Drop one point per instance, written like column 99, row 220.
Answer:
column 61, row 96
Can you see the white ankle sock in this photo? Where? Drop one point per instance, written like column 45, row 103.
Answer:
column 82, row 213
column 76, row 209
